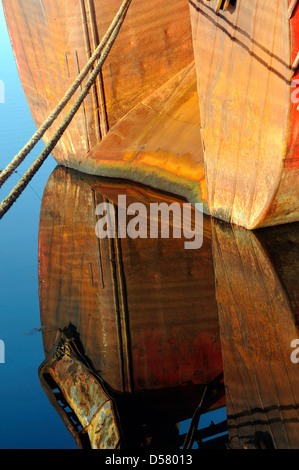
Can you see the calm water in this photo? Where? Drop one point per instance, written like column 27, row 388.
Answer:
column 240, row 285
column 27, row 420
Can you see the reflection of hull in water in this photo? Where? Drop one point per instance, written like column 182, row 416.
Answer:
column 145, row 309
column 142, row 119
column 257, row 295
column 158, row 349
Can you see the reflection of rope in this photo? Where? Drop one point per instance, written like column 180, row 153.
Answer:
column 100, row 53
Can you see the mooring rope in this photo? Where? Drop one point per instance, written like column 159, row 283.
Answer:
column 101, row 52
column 19, row 158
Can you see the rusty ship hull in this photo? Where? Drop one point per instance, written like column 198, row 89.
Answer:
column 249, row 114
column 141, row 119
column 201, row 108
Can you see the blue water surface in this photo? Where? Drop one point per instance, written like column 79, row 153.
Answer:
column 27, row 419
column 26, row 416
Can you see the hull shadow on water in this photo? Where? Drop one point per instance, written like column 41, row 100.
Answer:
column 140, row 335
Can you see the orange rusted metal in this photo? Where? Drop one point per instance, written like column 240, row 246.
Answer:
column 144, row 309
column 224, row 134
column 149, row 315
column 68, row 378
column 114, row 290
column 146, row 96
column 249, row 122
column 257, row 294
